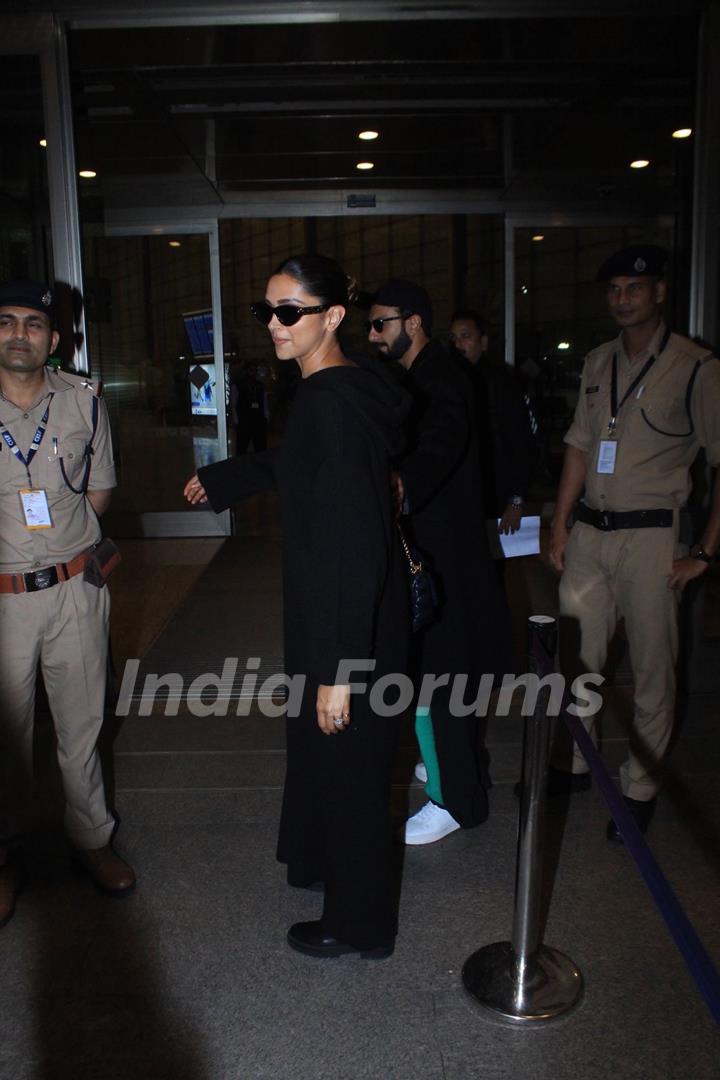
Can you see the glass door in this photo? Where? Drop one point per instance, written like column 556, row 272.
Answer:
column 25, row 236
column 155, row 340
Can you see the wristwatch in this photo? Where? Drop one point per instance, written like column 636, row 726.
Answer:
column 516, row 501
column 697, row 552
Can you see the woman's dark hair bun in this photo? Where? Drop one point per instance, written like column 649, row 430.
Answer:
column 318, row 275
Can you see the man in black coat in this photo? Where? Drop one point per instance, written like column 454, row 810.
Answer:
column 506, row 444
column 438, row 488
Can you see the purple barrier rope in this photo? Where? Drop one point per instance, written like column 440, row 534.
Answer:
column 692, row 950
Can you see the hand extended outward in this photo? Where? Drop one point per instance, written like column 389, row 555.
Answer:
column 194, row 492
column 333, row 708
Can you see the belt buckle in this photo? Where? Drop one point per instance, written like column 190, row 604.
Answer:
column 41, row 579
column 606, row 517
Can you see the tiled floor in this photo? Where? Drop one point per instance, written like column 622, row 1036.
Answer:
column 153, row 579
column 190, row 978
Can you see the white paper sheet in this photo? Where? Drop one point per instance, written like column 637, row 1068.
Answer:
column 526, row 541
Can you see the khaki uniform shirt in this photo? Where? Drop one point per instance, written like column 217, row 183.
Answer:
column 657, row 436
column 75, row 525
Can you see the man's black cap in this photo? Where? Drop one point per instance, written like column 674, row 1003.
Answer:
column 410, row 298
column 27, row 294
column 638, row 260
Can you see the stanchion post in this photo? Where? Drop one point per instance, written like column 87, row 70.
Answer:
column 536, row 746
column 522, row 980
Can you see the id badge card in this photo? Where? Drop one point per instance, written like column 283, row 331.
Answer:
column 606, row 457
column 35, row 508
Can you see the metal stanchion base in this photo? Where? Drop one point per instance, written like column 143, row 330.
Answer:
column 552, row 983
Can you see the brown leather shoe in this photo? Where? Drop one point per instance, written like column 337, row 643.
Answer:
column 109, row 872
column 11, row 879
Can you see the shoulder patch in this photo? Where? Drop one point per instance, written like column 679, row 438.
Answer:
column 691, row 351
column 602, row 351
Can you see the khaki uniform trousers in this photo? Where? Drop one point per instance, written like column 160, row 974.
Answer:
column 609, row 575
column 65, row 629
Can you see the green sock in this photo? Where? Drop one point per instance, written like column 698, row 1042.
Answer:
column 426, row 741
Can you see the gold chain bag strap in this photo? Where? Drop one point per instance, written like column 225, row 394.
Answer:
column 423, row 590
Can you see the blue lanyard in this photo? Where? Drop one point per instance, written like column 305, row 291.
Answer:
column 34, row 445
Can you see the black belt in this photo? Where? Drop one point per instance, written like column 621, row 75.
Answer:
column 610, row 520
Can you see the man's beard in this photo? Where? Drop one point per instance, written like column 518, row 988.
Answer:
column 399, row 347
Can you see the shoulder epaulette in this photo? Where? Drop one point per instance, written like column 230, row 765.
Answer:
column 81, row 383
column 601, row 350
column 692, row 351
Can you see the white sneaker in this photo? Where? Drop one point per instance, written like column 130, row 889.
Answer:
column 430, row 823
column 421, row 772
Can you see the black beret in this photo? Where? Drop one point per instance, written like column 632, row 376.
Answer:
column 638, row 260
column 27, row 294
column 410, row 298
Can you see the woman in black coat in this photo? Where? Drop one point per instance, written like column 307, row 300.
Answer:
column 345, row 599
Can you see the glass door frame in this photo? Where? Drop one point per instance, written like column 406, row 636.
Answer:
column 195, row 522
column 550, row 220
column 45, row 37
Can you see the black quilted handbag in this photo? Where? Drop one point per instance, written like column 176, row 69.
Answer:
column 423, row 590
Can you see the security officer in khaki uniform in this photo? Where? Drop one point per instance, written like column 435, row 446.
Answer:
column 56, row 471
column 648, row 401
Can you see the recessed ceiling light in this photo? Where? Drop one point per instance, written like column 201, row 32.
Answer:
column 365, row 165
column 538, row 236
column 641, row 163
column 87, row 174
column 563, row 345
column 174, row 243
column 682, row 133
column 368, row 135
column 43, row 142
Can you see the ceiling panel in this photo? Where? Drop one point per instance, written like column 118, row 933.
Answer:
column 492, row 103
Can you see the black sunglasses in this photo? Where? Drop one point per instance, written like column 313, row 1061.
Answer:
column 377, row 324
column 286, row 314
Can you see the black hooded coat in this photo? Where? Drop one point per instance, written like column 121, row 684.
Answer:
column 472, row 634
column 345, row 598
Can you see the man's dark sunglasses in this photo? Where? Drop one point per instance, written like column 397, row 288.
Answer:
column 377, row 324
column 286, row 314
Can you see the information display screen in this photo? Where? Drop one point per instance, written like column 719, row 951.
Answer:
column 199, row 328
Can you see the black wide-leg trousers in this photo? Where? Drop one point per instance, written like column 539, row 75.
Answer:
column 335, row 825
